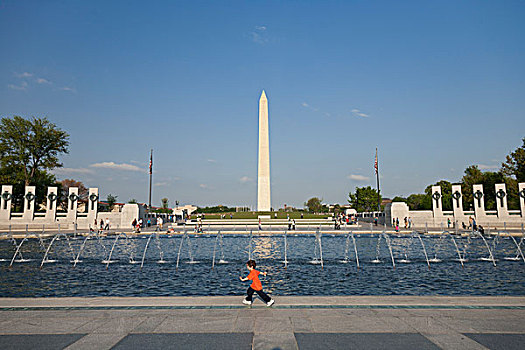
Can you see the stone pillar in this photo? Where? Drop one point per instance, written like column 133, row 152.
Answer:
column 437, row 207
column 479, row 201
column 29, row 203
column 72, row 204
column 457, row 202
column 501, row 201
column 5, row 202
column 92, row 207
column 52, row 196
column 521, row 193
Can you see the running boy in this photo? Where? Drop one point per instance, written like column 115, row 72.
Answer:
column 256, row 285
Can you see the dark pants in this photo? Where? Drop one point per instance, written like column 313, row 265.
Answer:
column 262, row 294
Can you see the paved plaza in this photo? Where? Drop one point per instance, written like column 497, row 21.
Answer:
column 357, row 322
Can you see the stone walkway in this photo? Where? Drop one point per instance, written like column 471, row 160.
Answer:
column 358, row 322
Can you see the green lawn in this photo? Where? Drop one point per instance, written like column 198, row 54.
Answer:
column 254, row 215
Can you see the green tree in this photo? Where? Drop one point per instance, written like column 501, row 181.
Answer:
column 514, row 165
column 364, row 199
column 419, row 202
column 132, row 201
column 314, row 205
column 111, row 199
column 165, row 202
column 30, row 146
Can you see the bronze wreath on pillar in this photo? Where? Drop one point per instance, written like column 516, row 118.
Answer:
column 93, row 198
column 7, row 196
column 436, row 197
column 478, row 195
column 501, row 194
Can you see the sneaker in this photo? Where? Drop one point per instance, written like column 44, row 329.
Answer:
column 270, row 303
column 244, row 301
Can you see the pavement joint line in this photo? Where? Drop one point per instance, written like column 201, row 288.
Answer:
column 281, row 307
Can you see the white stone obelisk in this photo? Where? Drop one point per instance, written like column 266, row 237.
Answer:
column 263, row 178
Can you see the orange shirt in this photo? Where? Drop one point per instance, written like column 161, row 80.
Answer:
column 254, row 277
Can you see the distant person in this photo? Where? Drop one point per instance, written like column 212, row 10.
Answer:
column 397, row 221
column 293, row 224
column 393, row 222
column 101, row 224
column 260, row 225
column 474, row 226
column 481, row 229
column 256, row 286
column 375, row 221
column 275, row 215
column 134, row 223
column 302, row 215
column 406, row 222
column 289, row 224
column 463, row 225
column 409, row 222
column 107, row 224
column 141, row 222
column 148, row 223
column 231, row 216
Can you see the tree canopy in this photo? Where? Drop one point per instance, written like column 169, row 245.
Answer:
column 314, row 205
column 30, row 146
column 364, row 199
column 514, row 165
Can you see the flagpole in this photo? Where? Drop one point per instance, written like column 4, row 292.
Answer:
column 378, row 190
column 150, row 177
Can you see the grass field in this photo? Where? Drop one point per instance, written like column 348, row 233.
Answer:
column 254, row 215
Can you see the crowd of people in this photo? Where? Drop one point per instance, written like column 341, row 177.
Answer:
column 344, row 219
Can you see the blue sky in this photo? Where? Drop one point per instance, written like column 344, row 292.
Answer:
column 436, row 86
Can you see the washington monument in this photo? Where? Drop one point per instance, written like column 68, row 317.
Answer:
column 263, row 178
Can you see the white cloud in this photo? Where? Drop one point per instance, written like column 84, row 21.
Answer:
column 159, row 184
column 23, row 75
column 358, row 177
column 67, row 171
column 22, row 86
column 211, row 160
column 245, row 179
column 204, row 186
column 356, row 112
column 67, row 88
column 487, row 167
column 42, row 81
column 306, row 105
column 259, row 35
column 116, row 166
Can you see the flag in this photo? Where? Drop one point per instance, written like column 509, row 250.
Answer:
column 151, row 163
column 375, row 163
